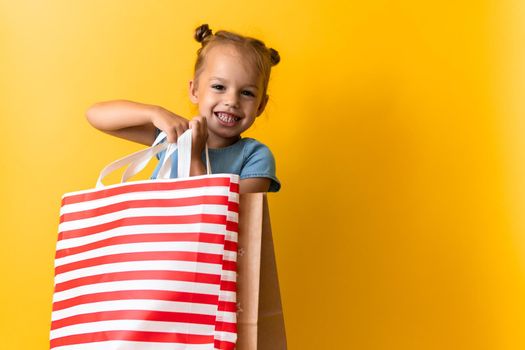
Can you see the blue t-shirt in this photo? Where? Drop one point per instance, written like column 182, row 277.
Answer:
column 247, row 158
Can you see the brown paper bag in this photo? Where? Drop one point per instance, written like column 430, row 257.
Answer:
column 260, row 321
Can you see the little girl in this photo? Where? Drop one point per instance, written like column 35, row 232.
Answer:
column 229, row 86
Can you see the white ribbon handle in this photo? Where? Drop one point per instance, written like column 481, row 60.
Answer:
column 138, row 157
column 184, row 155
column 137, row 161
column 138, row 164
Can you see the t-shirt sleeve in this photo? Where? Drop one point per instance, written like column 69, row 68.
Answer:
column 260, row 162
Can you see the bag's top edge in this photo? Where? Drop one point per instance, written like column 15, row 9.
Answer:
column 234, row 177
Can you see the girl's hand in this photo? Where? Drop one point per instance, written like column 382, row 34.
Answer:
column 199, row 136
column 172, row 124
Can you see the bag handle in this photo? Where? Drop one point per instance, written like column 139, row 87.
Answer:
column 183, row 159
column 137, row 161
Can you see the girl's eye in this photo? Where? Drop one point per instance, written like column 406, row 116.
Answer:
column 221, row 87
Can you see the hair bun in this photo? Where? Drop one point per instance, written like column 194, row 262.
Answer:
column 274, row 56
column 202, row 32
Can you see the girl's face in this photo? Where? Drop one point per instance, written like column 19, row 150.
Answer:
column 228, row 92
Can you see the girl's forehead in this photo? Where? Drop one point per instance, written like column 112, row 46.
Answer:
column 228, row 61
column 225, row 51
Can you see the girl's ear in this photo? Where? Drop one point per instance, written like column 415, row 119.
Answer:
column 262, row 105
column 194, row 97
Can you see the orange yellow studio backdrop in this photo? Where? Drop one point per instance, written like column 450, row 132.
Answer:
column 398, row 131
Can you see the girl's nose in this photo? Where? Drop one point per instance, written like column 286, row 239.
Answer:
column 232, row 100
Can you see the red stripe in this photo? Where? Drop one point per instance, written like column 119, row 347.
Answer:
column 228, row 286
column 144, row 203
column 224, row 345
column 141, row 238
column 142, row 315
column 230, row 245
column 140, row 275
column 234, row 187
column 232, row 226
column 233, row 206
column 229, row 265
column 157, row 337
column 140, row 256
column 142, row 187
column 142, row 295
column 225, row 327
column 227, row 306
column 145, row 220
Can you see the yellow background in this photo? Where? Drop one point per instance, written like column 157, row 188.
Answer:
column 398, row 128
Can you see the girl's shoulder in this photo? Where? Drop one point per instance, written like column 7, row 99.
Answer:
column 252, row 146
column 248, row 141
column 245, row 146
column 247, row 157
column 245, row 151
column 258, row 161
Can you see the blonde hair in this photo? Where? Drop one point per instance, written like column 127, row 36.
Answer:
column 263, row 57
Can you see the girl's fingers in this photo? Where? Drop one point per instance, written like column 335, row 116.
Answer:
column 181, row 129
column 172, row 135
column 175, row 131
column 203, row 123
column 194, row 125
column 200, row 130
column 172, row 124
column 198, row 124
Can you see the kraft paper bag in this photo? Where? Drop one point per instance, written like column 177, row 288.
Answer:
column 260, row 320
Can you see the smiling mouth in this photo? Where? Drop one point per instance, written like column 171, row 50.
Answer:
column 226, row 118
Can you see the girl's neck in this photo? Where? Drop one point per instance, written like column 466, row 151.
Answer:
column 215, row 141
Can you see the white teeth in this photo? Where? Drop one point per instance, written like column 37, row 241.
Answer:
column 227, row 118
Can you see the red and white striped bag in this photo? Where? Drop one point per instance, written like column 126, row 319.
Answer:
column 148, row 264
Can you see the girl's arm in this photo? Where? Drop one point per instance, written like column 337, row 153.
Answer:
column 135, row 121
column 255, row 184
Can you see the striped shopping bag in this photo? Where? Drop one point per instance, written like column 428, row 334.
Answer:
column 148, row 264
